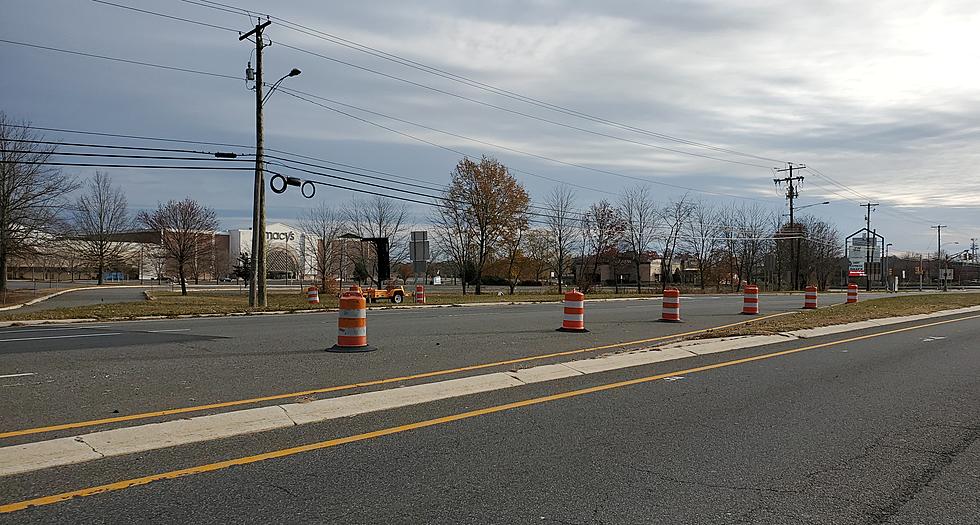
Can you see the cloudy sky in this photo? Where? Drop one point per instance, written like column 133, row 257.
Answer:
column 880, row 98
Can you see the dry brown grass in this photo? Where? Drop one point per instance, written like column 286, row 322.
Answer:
column 850, row 313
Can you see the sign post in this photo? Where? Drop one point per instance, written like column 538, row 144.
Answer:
column 419, row 251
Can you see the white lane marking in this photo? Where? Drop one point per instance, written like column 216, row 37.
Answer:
column 25, row 374
column 58, row 329
column 932, row 338
column 673, row 378
column 169, row 330
column 56, row 337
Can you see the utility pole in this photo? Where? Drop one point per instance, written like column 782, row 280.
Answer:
column 256, row 282
column 939, row 252
column 792, row 192
column 868, row 246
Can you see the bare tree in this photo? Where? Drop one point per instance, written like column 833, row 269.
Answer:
column 494, row 201
column 32, row 193
column 322, row 225
column 186, row 229
column 539, row 251
column 562, row 223
column 747, row 233
column 639, row 213
column 99, row 216
column 379, row 217
column 603, row 231
column 512, row 244
column 674, row 216
column 700, row 238
column 454, row 234
column 820, row 251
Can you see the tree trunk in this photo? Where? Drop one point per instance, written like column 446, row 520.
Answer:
column 183, row 281
column 639, row 281
column 101, row 273
column 3, row 273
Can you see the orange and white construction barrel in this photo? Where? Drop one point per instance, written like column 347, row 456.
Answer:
column 352, row 324
column 574, row 318
column 810, row 299
column 671, row 306
column 419, row 294
column 852, row 293
column 313, row 295
column 750, row 300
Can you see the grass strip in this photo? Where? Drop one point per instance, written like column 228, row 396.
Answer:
column 850, row 313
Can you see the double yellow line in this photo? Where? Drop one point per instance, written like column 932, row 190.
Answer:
column 423, row 375
column 211, row 467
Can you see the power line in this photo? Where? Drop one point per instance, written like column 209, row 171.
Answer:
column 116, row 59
column 493, row 106
column 464, row 80
column 302, row 95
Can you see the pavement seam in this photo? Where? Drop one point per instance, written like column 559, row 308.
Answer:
column 287, row 414
column 81, row 439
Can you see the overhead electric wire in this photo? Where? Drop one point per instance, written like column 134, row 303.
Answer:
column 480, row 102
column 302, row 95
column 121, row 156
column 465, row 80
column 123, row 60
column 444, row 74
column 116, row 146
column 432, row 185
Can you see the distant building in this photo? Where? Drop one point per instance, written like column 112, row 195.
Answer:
column 291, row 254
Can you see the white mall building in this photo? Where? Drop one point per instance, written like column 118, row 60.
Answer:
column 289, row 251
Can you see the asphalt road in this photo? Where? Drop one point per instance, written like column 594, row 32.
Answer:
column 90, row 371
column 107, row 294
column 880, row 430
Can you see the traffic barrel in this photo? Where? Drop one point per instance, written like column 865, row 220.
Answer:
column 852, row 293
column 352, row 324
column 313, row 295
column 750, row 300
column 672, row 306
column 574, row 319
column 419, row 294
column 810, row 299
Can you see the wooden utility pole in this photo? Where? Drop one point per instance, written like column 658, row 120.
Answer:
column 256, row 282
column 792, row 192
column 939, row 253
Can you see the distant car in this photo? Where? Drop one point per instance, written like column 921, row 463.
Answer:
column 226, row 280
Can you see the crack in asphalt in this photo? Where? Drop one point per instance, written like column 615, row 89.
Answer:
column 916, row 483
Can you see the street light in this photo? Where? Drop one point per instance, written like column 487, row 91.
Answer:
column 257, row 283
column 292, row 73
column 798, row 208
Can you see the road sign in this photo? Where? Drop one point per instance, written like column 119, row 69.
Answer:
column 946, row 275
column 419, row 251
column 419, row 247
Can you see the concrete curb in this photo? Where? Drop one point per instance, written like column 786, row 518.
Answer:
column 29, row 457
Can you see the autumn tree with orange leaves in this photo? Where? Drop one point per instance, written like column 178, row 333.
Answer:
column 495, row 207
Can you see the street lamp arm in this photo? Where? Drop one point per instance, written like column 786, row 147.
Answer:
column 272, row 89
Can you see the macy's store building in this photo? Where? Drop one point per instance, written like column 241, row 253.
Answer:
column 291, row 252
